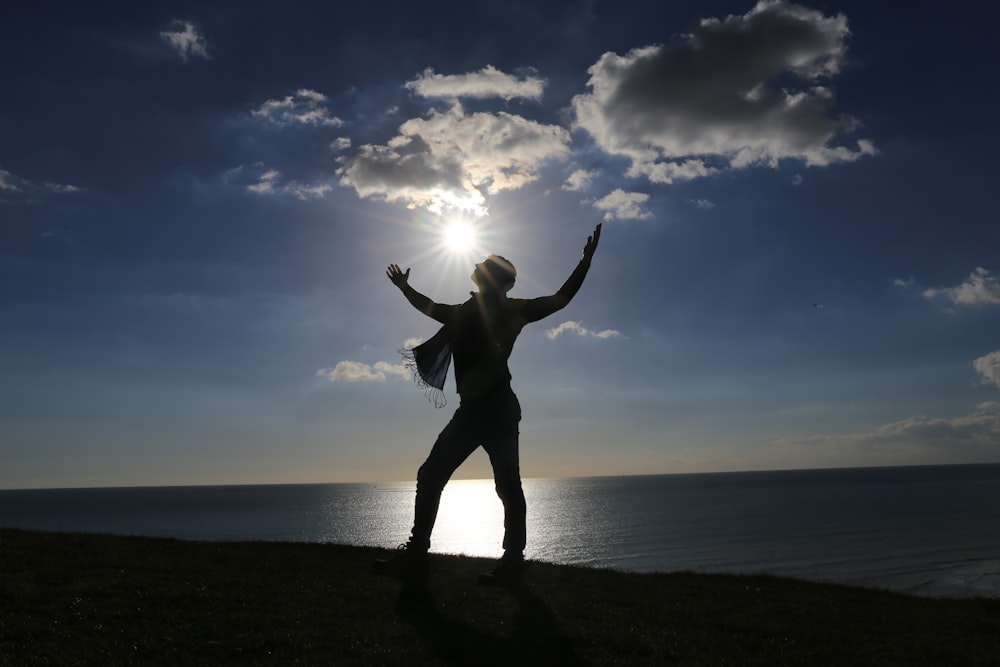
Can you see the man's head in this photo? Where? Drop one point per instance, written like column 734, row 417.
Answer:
column 495, row 273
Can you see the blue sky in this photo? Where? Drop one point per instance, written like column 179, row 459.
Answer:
column 799, row 264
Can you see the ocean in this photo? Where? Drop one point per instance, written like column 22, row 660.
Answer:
column 928, row 530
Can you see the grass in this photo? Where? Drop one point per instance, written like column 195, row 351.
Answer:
column 89, row 599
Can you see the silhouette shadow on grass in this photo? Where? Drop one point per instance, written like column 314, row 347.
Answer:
column 537, row 637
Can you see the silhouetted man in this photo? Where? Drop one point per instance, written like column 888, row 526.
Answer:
column 479, row 334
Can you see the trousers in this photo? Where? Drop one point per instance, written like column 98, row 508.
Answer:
column 490, row 422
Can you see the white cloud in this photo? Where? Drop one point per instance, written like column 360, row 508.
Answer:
column 621, row 205
column 703, row 204
column 185, row 39
column 8, row 181
column 901, row 282
column 577, row 328
column 13, row 185
column 486, row 83
column 411, row 343
column 58, row 188
column 341, row 143
column 356, row 371
column 667, row 172
column 269, row 183
column 988, row 367
column 393, row 369
column 447, row 160
column 607, row 333
column 304, row 107
column 741, row 91
column 980, row 288
column 266, row 184
column 579, row 180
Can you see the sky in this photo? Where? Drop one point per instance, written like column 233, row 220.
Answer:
column 799, row 265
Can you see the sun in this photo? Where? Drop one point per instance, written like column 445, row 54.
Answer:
column 458, row 237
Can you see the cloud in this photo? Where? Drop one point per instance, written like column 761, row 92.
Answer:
column 703, row 204
column 579, row 180
column 988, row 368
column 980, row 288
column 183, row 37
column 58, row 235
column 580, row 330
column 266, row 184
column 269, row 183
column 12, row 185
column 621, row 205
column 8, row 181
column 448, row 159
column 975, row 433
column 668, row 172
column 304, row 107
column 411, row 343
column 57, row 188
column 736, row 92
column 486, row 83
column 355, row 371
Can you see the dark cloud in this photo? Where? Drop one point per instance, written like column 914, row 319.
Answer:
column 742, row 90
column 975, row 436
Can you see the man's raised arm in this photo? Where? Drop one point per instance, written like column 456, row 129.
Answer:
column 416, row 299
column 544, row 306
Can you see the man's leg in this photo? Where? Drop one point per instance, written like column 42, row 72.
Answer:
column 455, row 443
column 451, row 448
column 502, row 446
column 507, row 476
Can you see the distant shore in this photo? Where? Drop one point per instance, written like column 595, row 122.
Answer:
column 93, row 599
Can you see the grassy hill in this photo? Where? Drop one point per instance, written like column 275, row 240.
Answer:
column 89, row 599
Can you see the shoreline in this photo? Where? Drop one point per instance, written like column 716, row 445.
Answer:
column 922, row 533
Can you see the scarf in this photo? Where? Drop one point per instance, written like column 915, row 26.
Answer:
column 429, row 362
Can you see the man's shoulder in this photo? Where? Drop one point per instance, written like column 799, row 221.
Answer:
column 518, row 305
column 520, row 308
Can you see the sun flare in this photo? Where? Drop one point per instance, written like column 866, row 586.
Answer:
column 459, row 237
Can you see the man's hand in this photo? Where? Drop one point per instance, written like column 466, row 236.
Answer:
column 398, row 278
column 592, row 241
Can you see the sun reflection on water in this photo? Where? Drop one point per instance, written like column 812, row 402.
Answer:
column 470, row 520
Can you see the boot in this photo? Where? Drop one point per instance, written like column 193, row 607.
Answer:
column 410, row 562
column 509, row 572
